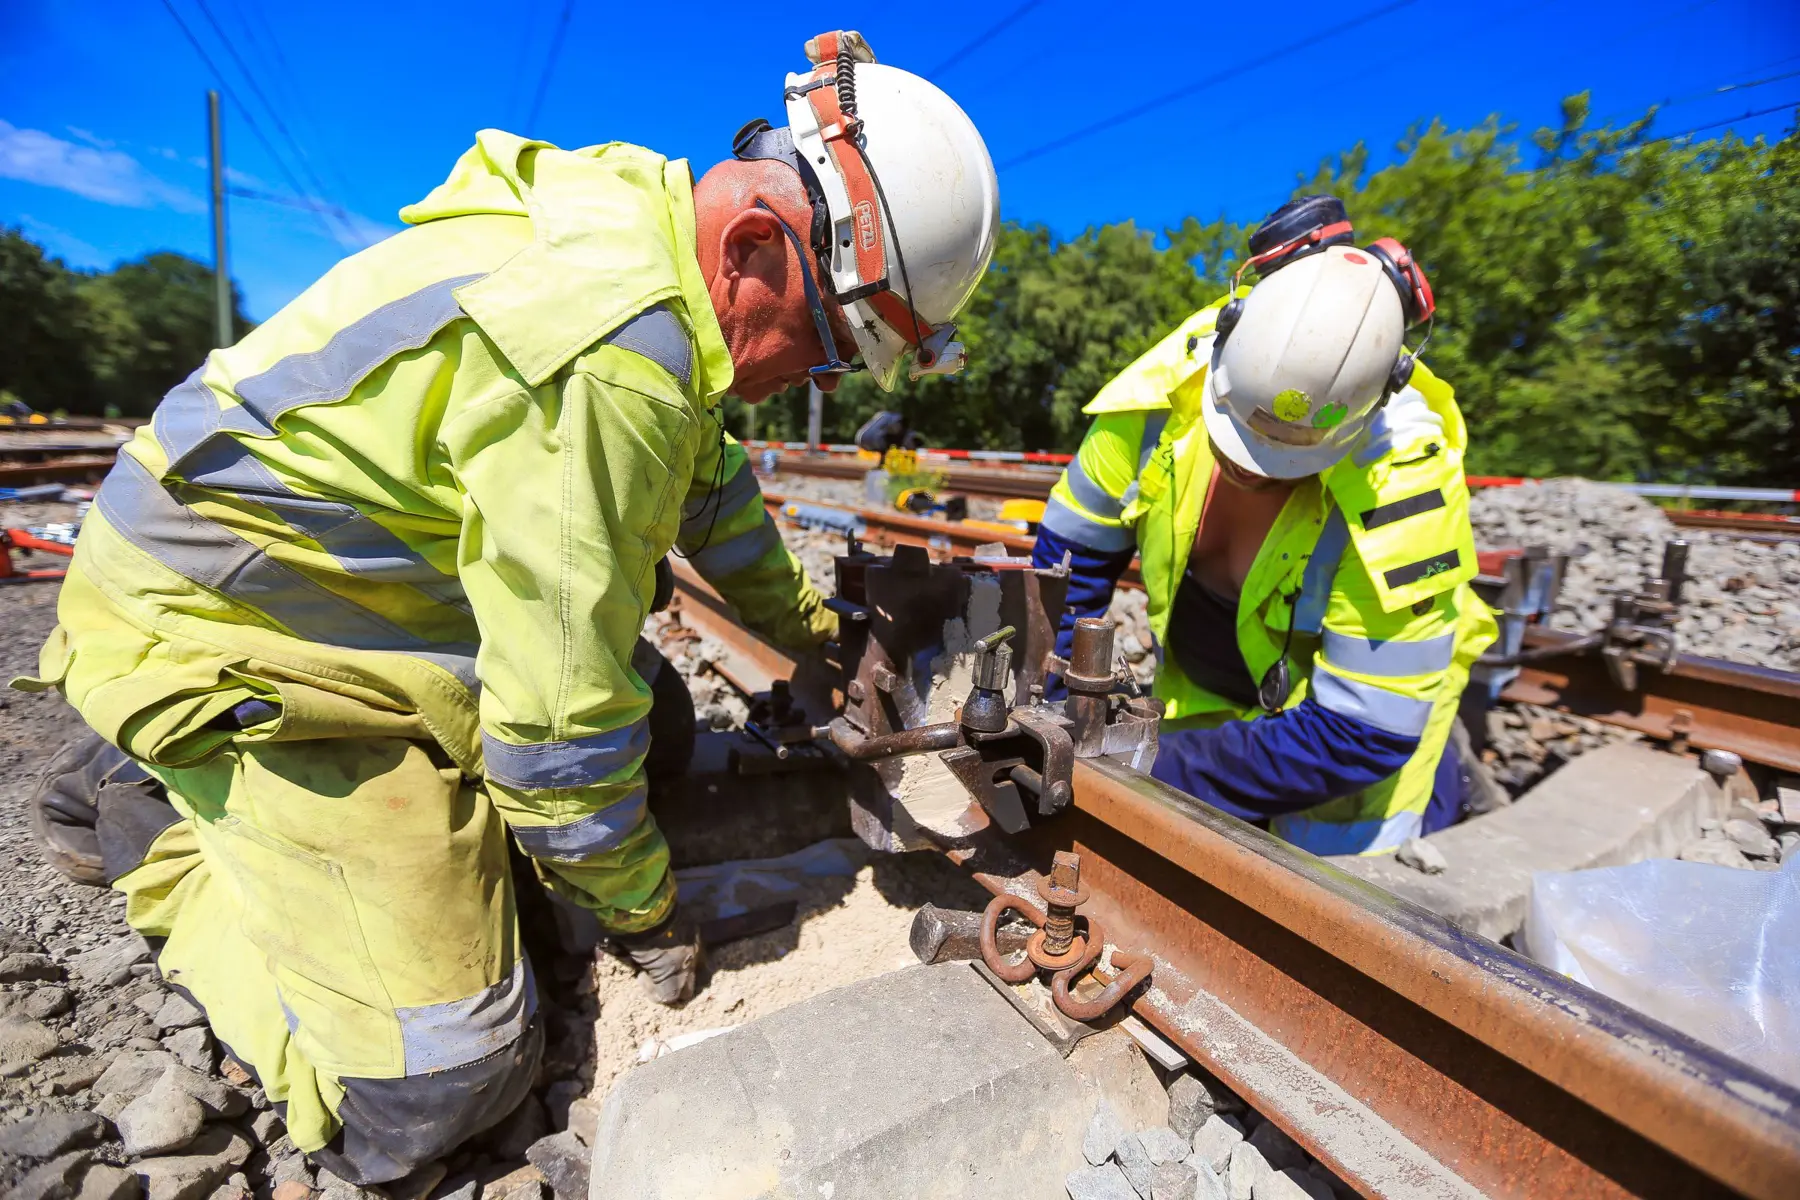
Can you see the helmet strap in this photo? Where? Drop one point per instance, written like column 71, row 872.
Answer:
column 833, row 364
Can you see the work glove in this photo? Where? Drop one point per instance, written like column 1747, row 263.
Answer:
column 1403, row 423
column 668, row 958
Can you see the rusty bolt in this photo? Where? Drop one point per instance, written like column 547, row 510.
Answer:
column 855, row 691
column 1062, row 895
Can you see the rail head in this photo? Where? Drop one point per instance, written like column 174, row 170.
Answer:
column 1731, row 1121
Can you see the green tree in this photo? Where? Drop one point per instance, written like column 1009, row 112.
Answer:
column 89, row 342
column 44, row 334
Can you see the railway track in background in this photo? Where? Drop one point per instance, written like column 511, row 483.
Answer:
column 1411, row 1058
column 1029, row 483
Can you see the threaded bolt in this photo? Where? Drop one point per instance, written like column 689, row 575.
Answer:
column 1062, row 895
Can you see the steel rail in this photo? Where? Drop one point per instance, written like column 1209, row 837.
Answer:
column 1518, row 1081
column 888, row 529
column 1710, row 703
column 1413, row 1059
column 1027, row 484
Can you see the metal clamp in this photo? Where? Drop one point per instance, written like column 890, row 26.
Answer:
column 1066, row 945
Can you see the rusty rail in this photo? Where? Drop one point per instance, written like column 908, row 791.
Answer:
column 1414, row 1059
column 1374, row 1014
column 1709, row 703
column 888, row 529
column 1025, row 483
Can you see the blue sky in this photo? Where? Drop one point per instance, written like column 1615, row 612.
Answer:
column 102, row 134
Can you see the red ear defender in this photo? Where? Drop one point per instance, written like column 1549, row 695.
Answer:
column 1408, row 278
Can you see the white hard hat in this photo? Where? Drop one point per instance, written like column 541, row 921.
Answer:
column 906, row 203
column 1302, row 363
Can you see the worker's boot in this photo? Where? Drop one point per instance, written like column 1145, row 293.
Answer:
column 65, row 806
column 668, row 958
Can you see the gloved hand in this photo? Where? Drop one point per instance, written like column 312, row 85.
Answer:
column 1404, row 422
column 668, row 958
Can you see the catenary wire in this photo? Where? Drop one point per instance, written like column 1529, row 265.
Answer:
column 318, row 189
column 556, row 45
column 1213, row 80
column 249, row 117
column 261, row 38
column 975, row 43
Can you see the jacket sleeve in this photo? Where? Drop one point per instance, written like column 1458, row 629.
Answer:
column 731, row 539
column 572, row 492
column 1375, row 679
column 1084, row 517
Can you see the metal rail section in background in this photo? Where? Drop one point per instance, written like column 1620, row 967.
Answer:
column 1414, row 1059
column 1029, row 483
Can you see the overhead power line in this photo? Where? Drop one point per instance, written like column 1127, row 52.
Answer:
column 1213, row 80
column 274, row 115
column 261, row 39
column 982, row 38
column 1760, row 112
column 249, row 117
column 556, row 45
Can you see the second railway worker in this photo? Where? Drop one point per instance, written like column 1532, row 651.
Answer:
column 1291, row 479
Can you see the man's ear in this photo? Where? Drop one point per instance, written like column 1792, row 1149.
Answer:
column 750, row 243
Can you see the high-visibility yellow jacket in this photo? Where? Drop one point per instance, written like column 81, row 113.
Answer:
column 1363, row 578
column 428, row 497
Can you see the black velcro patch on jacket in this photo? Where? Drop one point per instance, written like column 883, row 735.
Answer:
column 1399, row 577
column 1412, row 506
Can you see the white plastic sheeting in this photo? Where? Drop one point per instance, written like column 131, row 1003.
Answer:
column 1713, row 951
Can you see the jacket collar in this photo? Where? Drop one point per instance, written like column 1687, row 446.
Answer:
column 612, row 234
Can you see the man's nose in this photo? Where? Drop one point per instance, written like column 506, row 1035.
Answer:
column 827, row 383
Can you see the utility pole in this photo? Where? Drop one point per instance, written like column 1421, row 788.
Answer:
column 815, row 416
column 222, row 331
column 749, row 422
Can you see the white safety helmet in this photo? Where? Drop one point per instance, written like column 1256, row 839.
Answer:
column 1302, row 364
column 906, row 205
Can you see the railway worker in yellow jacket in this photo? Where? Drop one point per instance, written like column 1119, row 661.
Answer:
column 1291, row 481
column 363, row 595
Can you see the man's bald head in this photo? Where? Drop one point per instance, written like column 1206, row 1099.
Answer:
column 733, row 187
column 756, row 279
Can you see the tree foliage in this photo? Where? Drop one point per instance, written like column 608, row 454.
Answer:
column 100, row 343
column 1611, row 304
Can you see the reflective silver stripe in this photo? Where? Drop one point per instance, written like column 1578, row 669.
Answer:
column 1374, row 836
column 735, row 553
column 1366, row 656
column 435, row 1037
column 361, row 545
column 333, row 371
column 1153, row 429
column 656, row 333
column 187, row 416
column 145, row 514
column 577, row 762
column 593, row 834
column 1065, row 522
column 1321, row 569
column 1371, row 704
column 699, row 515
column 190, row 414
column 1089, row 494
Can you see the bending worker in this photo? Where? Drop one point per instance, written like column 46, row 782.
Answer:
column 363, row 596
column 1291, row 481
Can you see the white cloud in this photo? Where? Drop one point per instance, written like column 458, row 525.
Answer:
column 97, row 142
column 108, row 176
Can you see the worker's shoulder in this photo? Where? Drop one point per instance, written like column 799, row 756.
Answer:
column 645, row 351
column 1152, row 378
